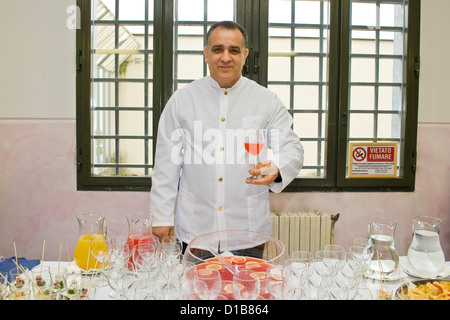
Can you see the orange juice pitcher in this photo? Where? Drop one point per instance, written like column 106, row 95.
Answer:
column 90, row 225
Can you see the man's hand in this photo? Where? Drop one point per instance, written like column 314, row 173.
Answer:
column 268, row 171
column 162, row 232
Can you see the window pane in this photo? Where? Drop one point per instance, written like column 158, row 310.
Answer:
column 219, row 10
column 122, row 70
column 306, row 97
column 192, row 18
column 362, row 97
column 189, row 10
column 377, row 62
column 361, row 126
column 190, row 67
column 279, row 69
column 298, row 63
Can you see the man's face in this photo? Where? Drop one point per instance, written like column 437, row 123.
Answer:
column 225, row 56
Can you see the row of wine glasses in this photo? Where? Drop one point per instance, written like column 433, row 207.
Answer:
column 152, row 269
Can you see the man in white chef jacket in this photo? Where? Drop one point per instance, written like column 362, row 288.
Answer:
column 199, row 181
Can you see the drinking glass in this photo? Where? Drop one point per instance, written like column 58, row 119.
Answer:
column 171, row 291
column 73, row 281
column 145, row 258
column 90, row 293
column 254, row 141
column 143, row 291
column 171, row 241
column 281, row 282
column 130, row 281
column 209, row 276
column 193, row 289
column 57, row 275
column 225, row 288
column 335, row 248
column 22, row 294
column 170, row 259
column 42, row 283
column 344, row 286
column 364, row 256
column 100, row 248
column 18, row 279
column 299, row 261
column 246, row 284
column 115, row 273
column 328, row 258
column 121, row 250
column 316, row 280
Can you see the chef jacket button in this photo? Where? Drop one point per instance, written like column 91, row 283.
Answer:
column 222, row 148
column 226, row 93
column 220, row 209
column 222, row 119
column 220, row 179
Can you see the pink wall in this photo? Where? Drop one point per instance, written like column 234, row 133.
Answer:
column 38, row 196
column 39, row 200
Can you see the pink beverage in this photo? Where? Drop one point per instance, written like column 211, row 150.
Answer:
column 254, row 148
column 257, row 267
column 138, row 238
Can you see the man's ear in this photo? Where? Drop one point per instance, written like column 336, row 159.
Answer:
column 246, row 52
column 205, row 53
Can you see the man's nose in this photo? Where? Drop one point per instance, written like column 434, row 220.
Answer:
column 226, row 56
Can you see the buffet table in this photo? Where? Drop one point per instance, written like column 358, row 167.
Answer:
column 368, row 289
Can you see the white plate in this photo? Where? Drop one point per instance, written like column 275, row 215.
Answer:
column 397, row 275
column 423, row 274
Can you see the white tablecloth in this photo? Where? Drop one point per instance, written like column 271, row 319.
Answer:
column 368, row 287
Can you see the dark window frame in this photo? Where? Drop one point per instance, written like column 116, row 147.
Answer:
column 253, row 15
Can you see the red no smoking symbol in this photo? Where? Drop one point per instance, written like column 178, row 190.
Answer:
column 359, row 154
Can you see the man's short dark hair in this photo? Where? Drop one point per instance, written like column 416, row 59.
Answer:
column 230, row 25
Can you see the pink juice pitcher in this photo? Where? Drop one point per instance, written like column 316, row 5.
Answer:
column 139, row 230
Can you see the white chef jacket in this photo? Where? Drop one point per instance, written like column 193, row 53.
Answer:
column 198, row 181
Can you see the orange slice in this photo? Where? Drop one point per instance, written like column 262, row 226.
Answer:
column 204, row 272
column 238, row 259
column 214, row 266
column 262, row 275
column 252, row 265
column 229, row 287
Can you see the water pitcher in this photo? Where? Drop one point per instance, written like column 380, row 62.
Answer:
column 89, row 225
column 425, row 252
column 381, row 240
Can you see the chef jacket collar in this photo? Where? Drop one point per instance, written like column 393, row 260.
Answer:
column 216, row 85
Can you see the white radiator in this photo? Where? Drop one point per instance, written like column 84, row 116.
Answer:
column 303, row 231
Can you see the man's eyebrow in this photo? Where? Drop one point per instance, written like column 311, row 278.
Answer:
column 220, row 46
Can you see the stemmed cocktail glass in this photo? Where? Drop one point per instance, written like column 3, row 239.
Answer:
column 254, row 141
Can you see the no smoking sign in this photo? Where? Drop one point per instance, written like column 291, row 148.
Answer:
column 373, row 160
column 359, row 154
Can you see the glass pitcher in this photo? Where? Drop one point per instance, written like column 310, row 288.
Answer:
column 381, row 241
column 90, row 225
column 139, row 226
column 139, row 229
column 425, row 252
